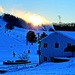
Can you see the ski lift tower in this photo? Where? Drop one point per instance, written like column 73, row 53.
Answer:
column 59, row 19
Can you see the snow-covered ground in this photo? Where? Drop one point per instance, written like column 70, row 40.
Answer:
column 9, row 42
column 65, row 68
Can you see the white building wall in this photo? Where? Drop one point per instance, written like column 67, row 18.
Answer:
column 51, row 51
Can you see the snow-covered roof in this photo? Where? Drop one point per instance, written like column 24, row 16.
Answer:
column 70, row 34
column 48, row 35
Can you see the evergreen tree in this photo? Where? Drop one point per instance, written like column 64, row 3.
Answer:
column 43, row 35
column 31, row 37
column 9, row 26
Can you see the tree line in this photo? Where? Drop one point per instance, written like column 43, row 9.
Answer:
column 13, row 21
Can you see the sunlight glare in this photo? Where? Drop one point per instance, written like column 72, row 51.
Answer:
column 35, row 20
column 29, row 17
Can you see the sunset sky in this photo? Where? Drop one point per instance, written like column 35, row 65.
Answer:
column 46, row 9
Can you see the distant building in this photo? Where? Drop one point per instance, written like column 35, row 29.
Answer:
column 54, row 45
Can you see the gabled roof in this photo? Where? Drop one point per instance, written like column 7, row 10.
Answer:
column 48, row 35
column 69, row 34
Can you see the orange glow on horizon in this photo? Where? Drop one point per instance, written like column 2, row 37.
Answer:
column 29, row 17
column 36, row 20
column 1, row 9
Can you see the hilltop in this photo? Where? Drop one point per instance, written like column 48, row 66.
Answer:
column 13, row 21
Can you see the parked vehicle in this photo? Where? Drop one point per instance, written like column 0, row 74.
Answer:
column 16, row 62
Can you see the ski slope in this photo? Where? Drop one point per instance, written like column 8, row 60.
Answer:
column 14, row 40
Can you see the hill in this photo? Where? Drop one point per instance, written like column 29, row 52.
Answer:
column 13, row 21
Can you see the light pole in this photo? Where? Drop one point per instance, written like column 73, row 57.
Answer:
column 39, row 47
column 59, row 19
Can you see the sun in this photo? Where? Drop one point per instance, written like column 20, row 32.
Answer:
column 35, row 20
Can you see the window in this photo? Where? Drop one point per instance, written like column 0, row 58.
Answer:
column 45, row 45
column 45, row 58
column 68, row 44
column 56, row 45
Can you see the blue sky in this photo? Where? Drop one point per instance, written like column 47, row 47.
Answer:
column 49, row 9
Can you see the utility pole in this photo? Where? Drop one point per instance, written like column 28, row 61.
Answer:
column 39, row 47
